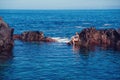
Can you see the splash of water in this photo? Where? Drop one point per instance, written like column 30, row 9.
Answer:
column 61, row 39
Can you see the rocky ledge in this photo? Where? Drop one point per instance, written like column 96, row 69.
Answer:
column 30, row 36
column 91, row 37
column 6, row 37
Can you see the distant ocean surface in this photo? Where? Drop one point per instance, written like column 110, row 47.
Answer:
column 58, row 61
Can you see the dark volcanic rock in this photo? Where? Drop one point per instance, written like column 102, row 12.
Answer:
column 6, row 37
column 30, row 36
column 91, row 37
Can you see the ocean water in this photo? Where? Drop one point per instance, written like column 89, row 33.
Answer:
column 58, row 61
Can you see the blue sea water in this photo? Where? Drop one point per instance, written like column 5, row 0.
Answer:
column 58, row 61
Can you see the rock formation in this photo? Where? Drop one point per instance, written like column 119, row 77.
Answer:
column 87, row 38
column 6, row 37
column 30, row 36
column 90, row 37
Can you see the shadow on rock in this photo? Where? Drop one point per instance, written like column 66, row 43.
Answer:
column 6, row 40
column 4, row 56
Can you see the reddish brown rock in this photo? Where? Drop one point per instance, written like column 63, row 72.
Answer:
column 6, row 37
column 92, row 37
column 16, row 37
column 48, row 39
column 30, row 36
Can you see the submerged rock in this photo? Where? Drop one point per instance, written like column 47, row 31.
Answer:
column 30, row 36
column 6, row 37
column 90, row 37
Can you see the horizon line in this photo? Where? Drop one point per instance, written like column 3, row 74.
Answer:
column 67, row 9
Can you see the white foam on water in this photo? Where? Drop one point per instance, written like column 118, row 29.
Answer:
column 107, row 24
column 61, row 39
column 79, row 27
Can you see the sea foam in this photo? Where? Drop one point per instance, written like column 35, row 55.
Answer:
column 107, row 24
column 61, row 39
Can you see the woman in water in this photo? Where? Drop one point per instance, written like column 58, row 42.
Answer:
column 75, row 39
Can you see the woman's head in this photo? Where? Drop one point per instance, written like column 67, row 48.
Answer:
column 76, row 33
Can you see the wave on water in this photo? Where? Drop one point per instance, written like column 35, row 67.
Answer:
column 61, row 40
column 79, row 27
column 86, row 23
column 107, row 25
column 104, row 27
